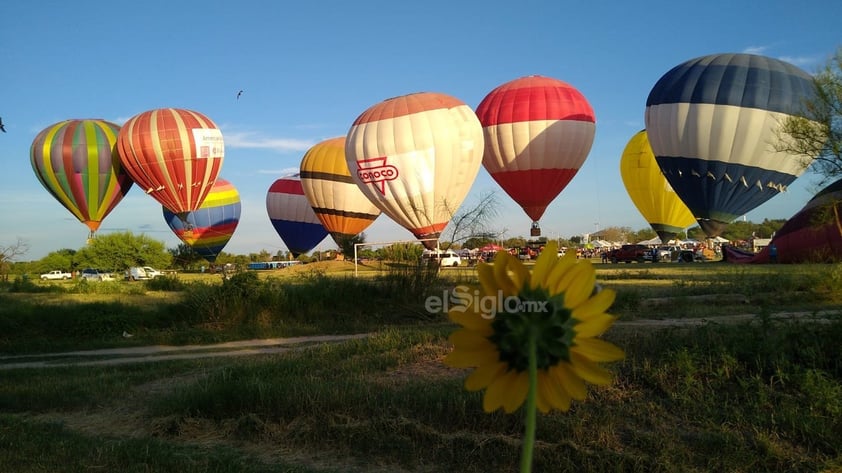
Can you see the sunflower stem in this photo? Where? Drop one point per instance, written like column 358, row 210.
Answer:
column 532, row 393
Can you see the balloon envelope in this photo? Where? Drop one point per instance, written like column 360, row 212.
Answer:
column 209, row 228
column 338, row 202
column 416, row 157
column 812, row 235
column 538, row 132
column 650, row 191
column 292, row 216
column 174, row 155
column 713, row 125
column 75, row 161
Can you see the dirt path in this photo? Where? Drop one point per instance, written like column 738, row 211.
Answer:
column 145, row 354
column 152, row 353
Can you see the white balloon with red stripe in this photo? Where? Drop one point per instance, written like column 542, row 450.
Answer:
column 538, row 132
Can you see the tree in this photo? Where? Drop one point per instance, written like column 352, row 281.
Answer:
column 346, row 244
column 117, row 251
column 61, row 259
column 184, row 257
column 473, row 222
column 618, row 234
column 8, row 254
column 818, row 132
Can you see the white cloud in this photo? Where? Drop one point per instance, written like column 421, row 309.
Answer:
column 279, row 172
column 253, row 140
column 755, row 49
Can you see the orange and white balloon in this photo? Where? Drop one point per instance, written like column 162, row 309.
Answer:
column 336, row 199
column 416, row 157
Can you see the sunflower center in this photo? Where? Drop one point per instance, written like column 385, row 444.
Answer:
column 538, row 313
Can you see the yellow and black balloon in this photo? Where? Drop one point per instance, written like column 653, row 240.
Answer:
column 650, row 191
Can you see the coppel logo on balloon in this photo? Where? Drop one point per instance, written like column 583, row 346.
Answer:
column 376, row 171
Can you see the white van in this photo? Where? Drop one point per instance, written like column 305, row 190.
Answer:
column 136, row 273
column 444, row 258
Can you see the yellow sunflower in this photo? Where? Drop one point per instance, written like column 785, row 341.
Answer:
column 549, row 318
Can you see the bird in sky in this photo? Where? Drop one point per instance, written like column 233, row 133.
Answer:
column 2, row 128
column 239, row 94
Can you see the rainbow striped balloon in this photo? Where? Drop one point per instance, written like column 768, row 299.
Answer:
column 174, row 155
column 74, row 161
column 209, row 228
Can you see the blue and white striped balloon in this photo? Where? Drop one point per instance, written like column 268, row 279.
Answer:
column 713, row 123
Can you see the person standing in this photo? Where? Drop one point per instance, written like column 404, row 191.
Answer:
column 773, row 253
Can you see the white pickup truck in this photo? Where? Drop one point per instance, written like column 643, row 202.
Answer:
column 56, row 275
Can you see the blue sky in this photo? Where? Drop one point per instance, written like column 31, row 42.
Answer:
column 308, row 69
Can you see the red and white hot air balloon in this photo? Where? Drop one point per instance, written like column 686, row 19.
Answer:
column 416, row 157
column 538, row 132
column 174, row 155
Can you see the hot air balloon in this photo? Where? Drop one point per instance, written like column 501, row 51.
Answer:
column 415, row 157
column 713, row 125
column 814, row 234
column 209, row 228
column 76, row 162
column 649, row 190
column 174, row 155
column 538, row 133
column 292, row 216
column 338, row 202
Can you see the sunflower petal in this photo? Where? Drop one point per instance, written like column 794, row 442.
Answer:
column 595, row 349
column 471, row 320
column 545, row 262
column 578, row 271
column 501, row 274
column 470, row 340
column 459, row 358
column 556, row 398
column 596, row 305
column 559, row 270
column 485, row 272
column 519, row 273
column 498, row 391
column 541, row 401
column 594, row 326
column 484, row 375
column 569, row 381
column 580, row 288
column 590, row 371
column 517, row 392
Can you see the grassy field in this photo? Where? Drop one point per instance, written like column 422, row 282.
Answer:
column 728, row 368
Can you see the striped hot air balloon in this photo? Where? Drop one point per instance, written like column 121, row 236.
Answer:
column 538, row 133
column 292, row 216
column 649, row 190
column 713, row 123
column 75, row 161
column 174, row 155
column 416, row 157
column 209, row 228
column 812, row 235
column 338, row 202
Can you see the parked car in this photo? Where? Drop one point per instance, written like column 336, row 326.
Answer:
column 443, row 258
column 668, row 253
column 152, row 272
column 629, row 253
column 136, row 273
column 92, row 274
column 56, row 274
